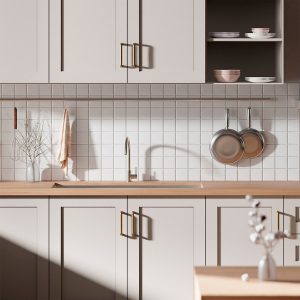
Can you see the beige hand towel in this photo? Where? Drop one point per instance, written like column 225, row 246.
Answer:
column 64, row 150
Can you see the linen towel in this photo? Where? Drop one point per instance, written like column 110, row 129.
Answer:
column 64, row 150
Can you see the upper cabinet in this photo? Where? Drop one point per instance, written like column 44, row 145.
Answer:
column 168, row 39
column 24, row 41
column 259, row 56
column 85, row 41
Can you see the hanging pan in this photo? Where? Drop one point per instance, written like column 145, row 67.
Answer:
column 253, row 139
column 227, row 146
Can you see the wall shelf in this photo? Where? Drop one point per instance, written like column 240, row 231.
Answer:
column 247, row 40
column 254, row 57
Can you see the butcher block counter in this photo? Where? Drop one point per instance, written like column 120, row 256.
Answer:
column 224, row 283
column 150, row 188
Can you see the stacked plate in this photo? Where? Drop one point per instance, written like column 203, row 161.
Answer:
column 227, row 76
column 224, row 35
column 260, row 79
column 260, row 33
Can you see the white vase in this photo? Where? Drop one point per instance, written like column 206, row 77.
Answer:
column 33, row 171
column 267, row 268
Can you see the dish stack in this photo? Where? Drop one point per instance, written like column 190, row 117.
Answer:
column 224, row 35
column 260, row 33
column 227, row 76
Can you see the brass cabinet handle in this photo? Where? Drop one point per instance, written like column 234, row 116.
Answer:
column 278, row 219
column 297, row 253
column 62, row 35
column 133, row 233
column 135, row 45
column 132, row 58
column 121, row 223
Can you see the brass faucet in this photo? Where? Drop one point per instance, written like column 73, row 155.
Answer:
column 130, row 176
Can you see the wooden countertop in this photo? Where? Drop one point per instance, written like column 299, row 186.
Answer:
column 151, row 188
column 224, row 283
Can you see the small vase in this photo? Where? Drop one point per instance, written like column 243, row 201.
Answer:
column 33, row 171
column 267, row 268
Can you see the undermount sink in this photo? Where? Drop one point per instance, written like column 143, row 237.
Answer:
column 125, row 186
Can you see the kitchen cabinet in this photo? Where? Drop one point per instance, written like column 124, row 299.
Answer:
column 292, row 225
column 166, row 41
column 167, row 240
column 85, row 41
column 169, row 40
column 254, row 57
column 227, row 231
column 24, row 248
column 88, row 254
column 24, row 41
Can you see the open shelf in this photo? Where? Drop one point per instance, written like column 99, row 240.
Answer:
column 254, row 57
column 248, row 40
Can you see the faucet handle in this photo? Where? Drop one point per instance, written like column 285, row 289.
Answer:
column 133, row 176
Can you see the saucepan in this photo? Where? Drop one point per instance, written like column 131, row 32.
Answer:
column 227, row 146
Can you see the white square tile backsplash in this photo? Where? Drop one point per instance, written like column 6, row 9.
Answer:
column 170, row 139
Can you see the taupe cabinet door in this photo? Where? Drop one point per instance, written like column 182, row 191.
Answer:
column 227, row 231
column 166, row 242
column 85, row 40
column 292, row 224
column 24, row 41
column 24, row 248
column 172, row 35
column 88, row 255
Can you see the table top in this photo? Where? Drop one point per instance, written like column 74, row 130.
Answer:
column 223, row 283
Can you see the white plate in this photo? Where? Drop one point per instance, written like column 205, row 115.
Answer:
column 224, row 34
column 260, row 79
column 252, row 35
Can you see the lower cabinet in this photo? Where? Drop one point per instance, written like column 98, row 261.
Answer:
column 94, row 256
column 24, row 248
column 88, row 255
column 167, row 239
column 292, row 224
column 227, row 231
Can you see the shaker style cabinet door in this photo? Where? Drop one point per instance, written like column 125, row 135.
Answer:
column 24, row 248
column 169, row 41
column 292, row 225
column 166, row 240
column 24, row 41
column 227, row 231
column 85, row 39
column 88, row 254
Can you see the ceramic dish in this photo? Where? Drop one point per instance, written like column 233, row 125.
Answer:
column 260, row 79
column 224, row 34
column 252, row 35
column 260, row 30
column 227, row 76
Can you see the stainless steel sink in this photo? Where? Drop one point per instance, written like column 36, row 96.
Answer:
column 125, row 186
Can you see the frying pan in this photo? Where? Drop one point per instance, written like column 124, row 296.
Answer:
column 227, row 146
column 253, row 139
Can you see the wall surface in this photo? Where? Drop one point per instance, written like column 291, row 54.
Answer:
column 170, row 138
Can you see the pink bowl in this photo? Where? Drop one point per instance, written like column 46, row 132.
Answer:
column 227, row 78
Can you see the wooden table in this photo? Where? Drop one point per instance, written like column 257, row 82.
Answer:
column 224, row 283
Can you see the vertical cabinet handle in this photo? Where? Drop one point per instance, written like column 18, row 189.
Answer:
column 122, row 55
column 62, row 37
column 278, row 220
column 135, row 47
column 121, row 223
column 297, row 253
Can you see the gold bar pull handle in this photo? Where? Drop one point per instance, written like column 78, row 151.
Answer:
column 278, row 219
column 122, row 55
column 133, row 224
column 135, row 47
column 121, row 223
column 297, row 253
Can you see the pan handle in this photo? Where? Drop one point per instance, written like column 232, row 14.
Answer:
column 227, row 118
column 249, row 117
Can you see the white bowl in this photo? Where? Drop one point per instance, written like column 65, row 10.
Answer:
column 252, row 35
column 260, row 30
